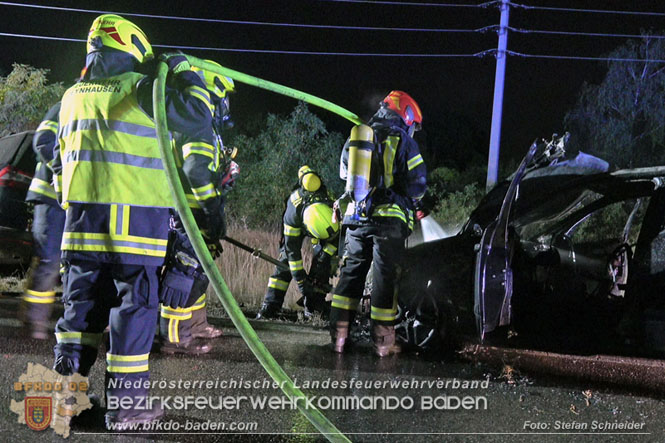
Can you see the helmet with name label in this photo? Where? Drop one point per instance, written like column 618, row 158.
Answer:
column 115, row 32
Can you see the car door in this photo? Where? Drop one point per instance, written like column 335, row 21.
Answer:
column 493, row 281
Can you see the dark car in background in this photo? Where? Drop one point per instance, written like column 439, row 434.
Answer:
column 564, row 255
column 17, row 166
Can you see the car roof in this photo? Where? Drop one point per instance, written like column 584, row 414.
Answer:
column 544, row 195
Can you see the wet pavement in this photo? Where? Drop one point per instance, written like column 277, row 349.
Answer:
column 399, row 398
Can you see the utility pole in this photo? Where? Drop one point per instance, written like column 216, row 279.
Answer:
column 497, row 108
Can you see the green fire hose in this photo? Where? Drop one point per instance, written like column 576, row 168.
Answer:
column 320, row 422
column 274, row 87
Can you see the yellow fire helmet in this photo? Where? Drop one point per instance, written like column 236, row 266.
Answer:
column 215, row 83
column 318, row 221
column 309, row 179
column 113, row 31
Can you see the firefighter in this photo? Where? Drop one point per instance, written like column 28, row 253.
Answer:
column 386, row 178
column 109, row 177
column 308, row 214
column 47, row 225
column 181, row 329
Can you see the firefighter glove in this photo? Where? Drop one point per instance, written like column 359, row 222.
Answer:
column 176, row 61
column 178, row 279
column 215, row 249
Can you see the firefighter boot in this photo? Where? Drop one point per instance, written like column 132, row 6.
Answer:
column 384, row 340
column 340, row 322
column 194, row 346
column 268, row 310
column 339, row 334
column 175, row 333
column 127, row 419
column 200, row 326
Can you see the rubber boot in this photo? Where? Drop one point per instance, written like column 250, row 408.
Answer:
column 340, row 322
column 200, row 326
column 195, row 346
column 339, row 335
column 384, row 340
column 176, row 334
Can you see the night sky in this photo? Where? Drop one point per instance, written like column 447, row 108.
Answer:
column 455, row 94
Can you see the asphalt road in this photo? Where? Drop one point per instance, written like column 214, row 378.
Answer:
column 503, row 407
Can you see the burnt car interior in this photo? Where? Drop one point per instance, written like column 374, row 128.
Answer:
column 573, row 269
column 586, row 263
column 563, row 256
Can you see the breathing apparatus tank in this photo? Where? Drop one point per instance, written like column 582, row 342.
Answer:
column 358, row 187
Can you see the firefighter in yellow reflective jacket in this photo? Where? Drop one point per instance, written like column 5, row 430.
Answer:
column 47, row 225
column 386, row 178
column 308, row 214
column 109, row 175
column 205, row 173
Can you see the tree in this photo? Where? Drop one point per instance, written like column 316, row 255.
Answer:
column 623, row 118
column 270, row 160
column 25, row 97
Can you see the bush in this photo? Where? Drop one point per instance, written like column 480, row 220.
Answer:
column 454, row 209
column 270, row 161
column 25, row 97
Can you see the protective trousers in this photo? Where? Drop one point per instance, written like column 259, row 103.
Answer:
column 44, row 275
column 180, row 325
column 125, row 297
column 382, row 248
column 278, row 283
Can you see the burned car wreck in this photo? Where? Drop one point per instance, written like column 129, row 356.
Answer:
column 564, row 255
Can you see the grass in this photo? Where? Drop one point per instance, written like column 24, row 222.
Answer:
column 246, row 275
column 13, row 283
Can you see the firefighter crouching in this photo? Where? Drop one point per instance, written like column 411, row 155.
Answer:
column 207, row 173
column 308, row 214
column 47, row 225
column 108, row 172
column 386, row 178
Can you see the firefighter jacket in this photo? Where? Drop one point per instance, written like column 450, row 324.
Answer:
column 200, row 165
column 399, row 182
column 109, row 169
column 295, row 230
column 41, row 188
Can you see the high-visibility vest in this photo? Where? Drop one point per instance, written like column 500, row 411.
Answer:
column 108, row 146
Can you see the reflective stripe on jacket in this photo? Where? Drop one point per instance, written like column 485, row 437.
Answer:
column 41, row 189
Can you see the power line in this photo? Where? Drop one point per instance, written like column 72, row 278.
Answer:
column 578, row 57
column 270, row 51
column 396, row 3
column 585, row 34
column 43, row 37
column 247, row 22
column 480, row 54
column 594, row 11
